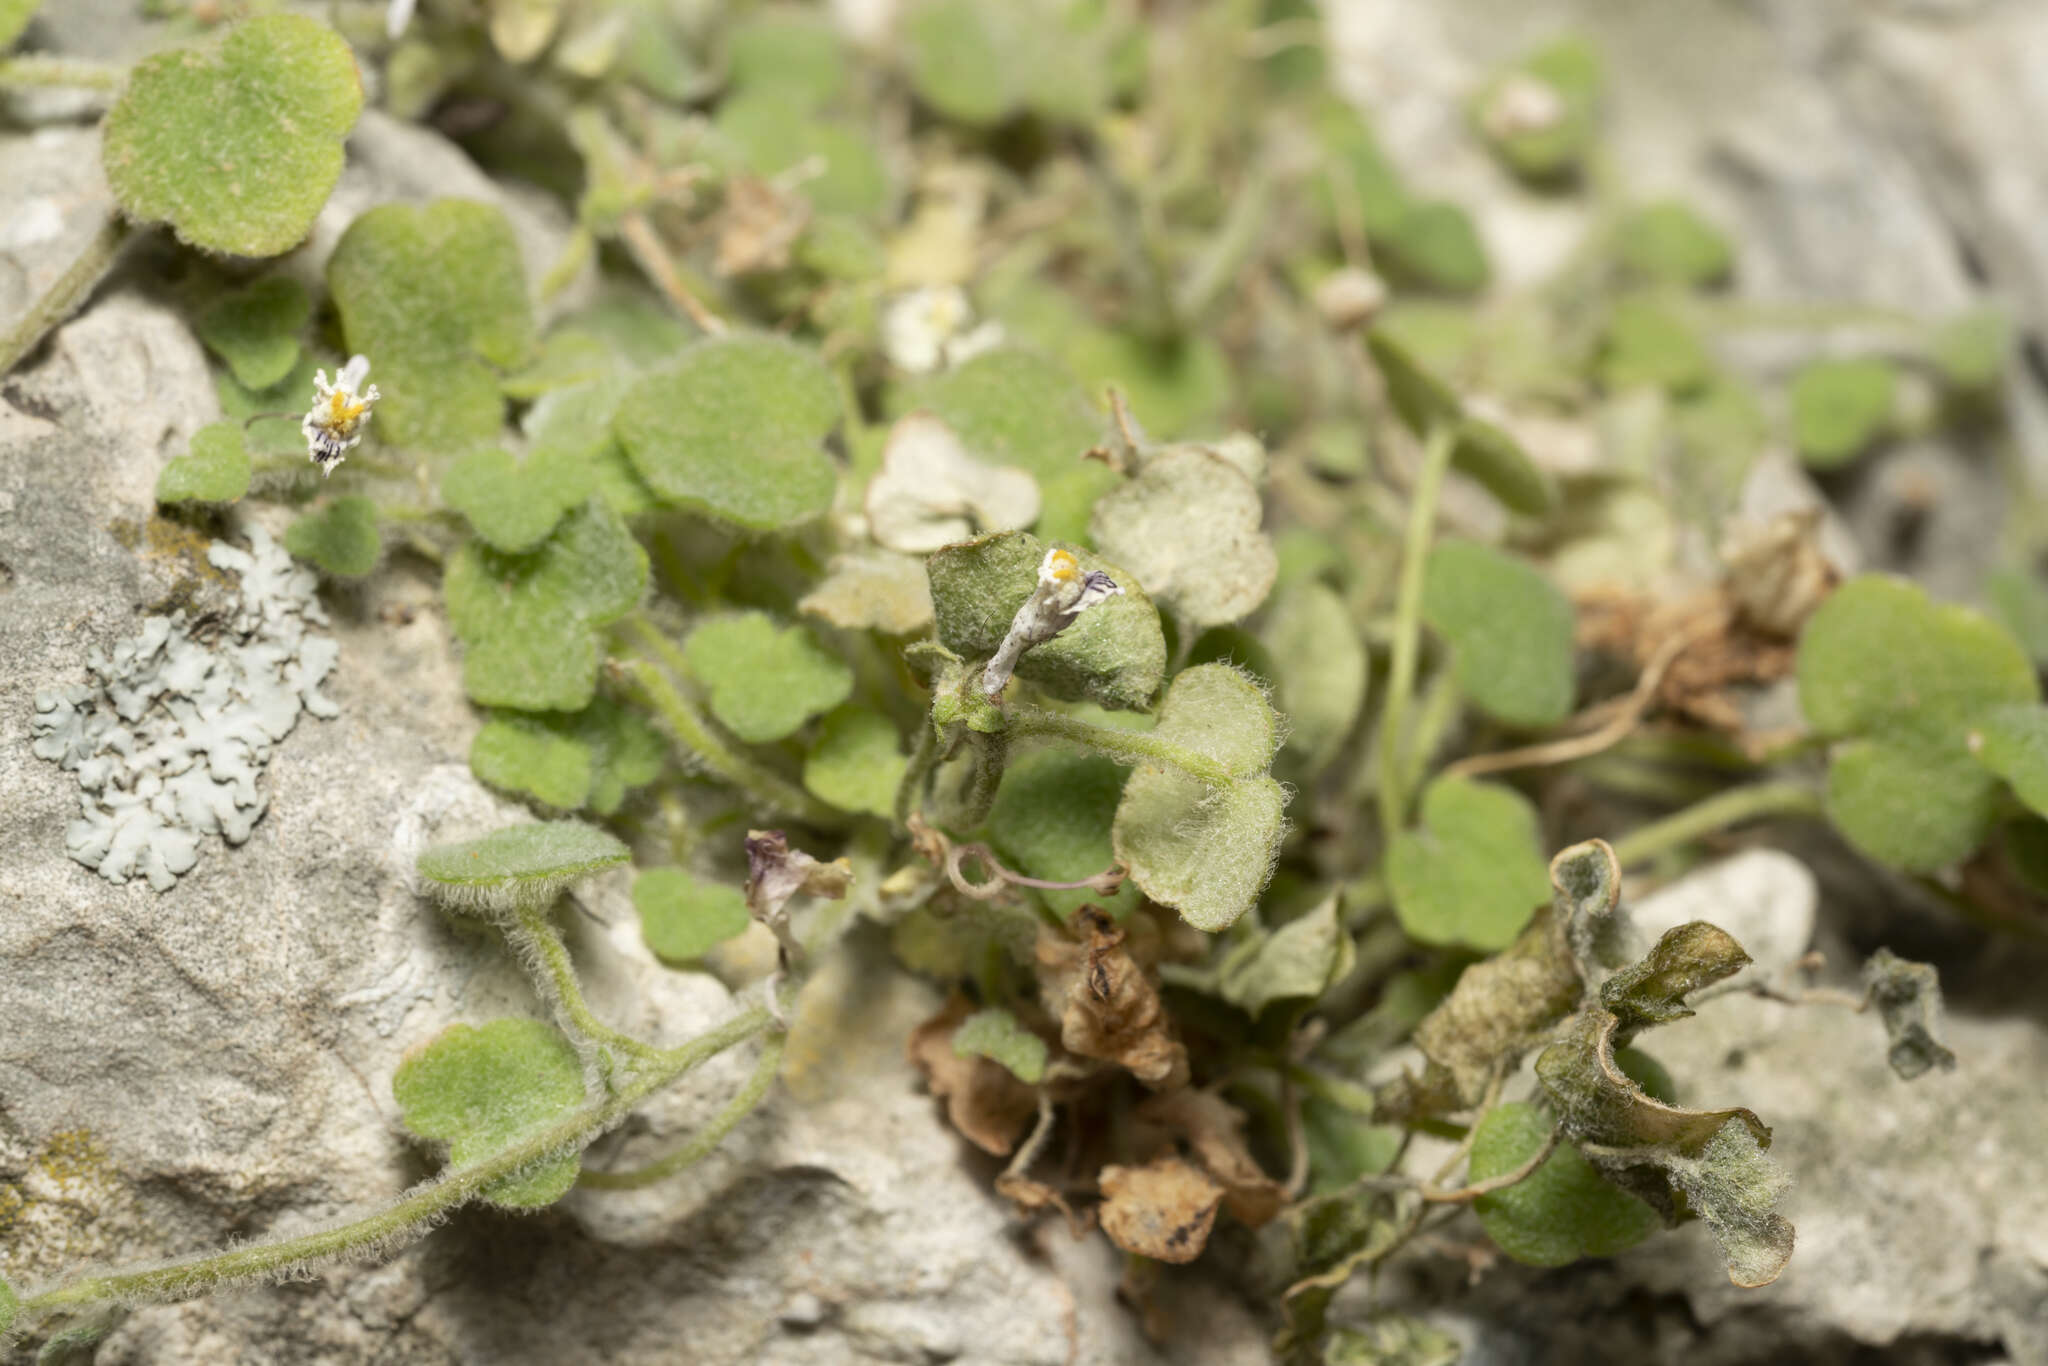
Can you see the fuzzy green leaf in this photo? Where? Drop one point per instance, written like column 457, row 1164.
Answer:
column 797, row 53
column 573, row 426
column 340, row 538
column 529, row 623
column 736, row 430
column 1899, row 682
column 1509, row 628
column 256, row 329
column 981, row 61
column 772, row 135
column 435, row 296
column 1472, row 873
column 857, row 762
column 591, row 758
column 1205, row 850
column 1114, row 654
column 1322, row 668
column 1433, row 245
column 520, row 865
column 1560, row 1212
column 1649, row 345
column 1687, row 957
column 1015, row 407
column 237, row 147
column 1667, row 243
column 514, row 504
column 995, row 1033
column 1297, row 961
column 1839, row 407
column 1482, row 451
column 481, row 1089
column 215, row 470
column 1051, row 820
column 14, row 17
column 682, row 918
column 1188, row 527
column 1970, row 350
column 2012, row 742
column 765, row 680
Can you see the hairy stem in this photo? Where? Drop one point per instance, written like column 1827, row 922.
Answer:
column 1126, row 746
column 693, row 733
column 411, row 1214
column 1789, row 797
column 66, row 294
column 705, row 1139
column 1429, row 482
column 59, row 71
column 540, row 951
column 922, row 756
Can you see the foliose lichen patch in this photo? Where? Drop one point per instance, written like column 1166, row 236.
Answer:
column 170, row 735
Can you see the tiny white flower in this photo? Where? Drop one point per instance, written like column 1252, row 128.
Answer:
column 922, row 328
column 334, row 424
column 1064, row 592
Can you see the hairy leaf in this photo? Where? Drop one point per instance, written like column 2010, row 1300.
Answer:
column 1319, row 657
column 1509, row 628
column 1051, row 820
column 764, row 680
column 1839, row 407
column 1299, row 960
column 341, row 538
column 857, row 762
column 682, row 918
column 481, row 1089
column 1908, row 999
column 1560, row 1212
column 520, row 865
column 215, row 470
column 995, row 1033
column 1649, row 345
column 1188, row 526
column 514, row 505
column 1472, row 872
column 1668, row 243
column 256, row 329
column 589, row 758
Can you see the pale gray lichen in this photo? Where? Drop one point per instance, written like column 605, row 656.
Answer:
column 170, row 737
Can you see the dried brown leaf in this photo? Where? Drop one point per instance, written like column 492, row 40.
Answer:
column 1214, row 1131
column 760, row 224
column 984, row 1099
column 1108, row 1005
column 1163, row 1210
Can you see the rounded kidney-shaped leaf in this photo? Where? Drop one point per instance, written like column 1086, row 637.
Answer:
column 1560, row 1212
column 1051, row 820
column 682, row 918
column 858, row 761
column 341, row 539
column 765, row 680
column 1509, row 628
column 482, row 1089
column 236, row 148
column 256, row 329
column 1473, row 872
column 521, row 865
column 1188, row 525
column 215, row 470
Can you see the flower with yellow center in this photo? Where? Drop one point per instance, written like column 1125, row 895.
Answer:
column 340, row 411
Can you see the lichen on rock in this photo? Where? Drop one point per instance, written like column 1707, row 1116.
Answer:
column 178, row 722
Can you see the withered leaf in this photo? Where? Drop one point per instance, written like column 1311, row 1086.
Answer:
column 1163, row 1210
column 1108, row 1006
column 1214, row 1131
column 1908, row 998
column 984, row 1099
column 1332, row 1237
column 1687, row 958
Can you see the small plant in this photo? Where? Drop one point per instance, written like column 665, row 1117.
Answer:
column 897, row 487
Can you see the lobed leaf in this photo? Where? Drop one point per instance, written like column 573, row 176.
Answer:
column 1509, row 629
column 1188, row 526
column 857, row 762
column 341, row 538
column 481, row 1089
column 238, row 147
column 519, row 865
column 1051, row 820
column 1472, row 872
column 215, row 470
column 1560, row 1212
column 735, row 430
column 996, row 1034
column 591, row 758
column 435, row 296
column 514, row 505
column 1839, row 407
column 2012, row 741
column 256, row 329
column 764, row 680
column 682, row 918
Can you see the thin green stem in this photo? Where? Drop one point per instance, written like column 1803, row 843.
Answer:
column 66, row 294
column 61, row 71
column 1439, row 710
column 692, row 731
column 706, row 1139
column 1788, row 797
column 1128, row 746
column 1429, row 483
column 541, row 952
column 411, row 1214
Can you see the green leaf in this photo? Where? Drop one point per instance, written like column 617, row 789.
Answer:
column 2020, row 602
column 1472, row 873
column 1899, row 682
column 1392, row 1339
column 1359, row 183
column 529, row 623
column 736, row 430
column 794, row 52
column 1668, row 243
column 1509, row 629
column 1839, row 407
column 573, row 425
column 513, row 504
column 1341, row 1148
column 1649, row 345
column 2012, row 742
column 1114, row 654
column 1970, row 350
column 341, row 538
column 765, row 680
column 482, row 1089
column 256, row 329
column 591, row 758
column 1322, row 667
column 683, row 918
column 236, row 148
column 1908, row 998
column 995, row 1033
column 773, row 136
column 979, row 63
column 857, row 761
column 1299, row 960
column 1015, row 407
column 1539, row 114
column 216, row 470
column 435, row 296
column 14, row 17
column 520, row 865
column 1560, row 1212
column 1687, row 957
column 1433, row 245
column 1051, row 820
column 1188, row 527
column 1483, row 451
column 1205, row 850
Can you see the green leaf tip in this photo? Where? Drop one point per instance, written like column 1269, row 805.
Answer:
column 215, row 470
column 764, row 680
column 340, row 539
column 996, row 1034
column 1480, row 450
column 238, row 147
column 481, row 1088
column 591, row 758
column 529, row 623
column 513, row 504
column 735, row 430
column 682, row 918
column 518, row 866
column 1472, row 872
